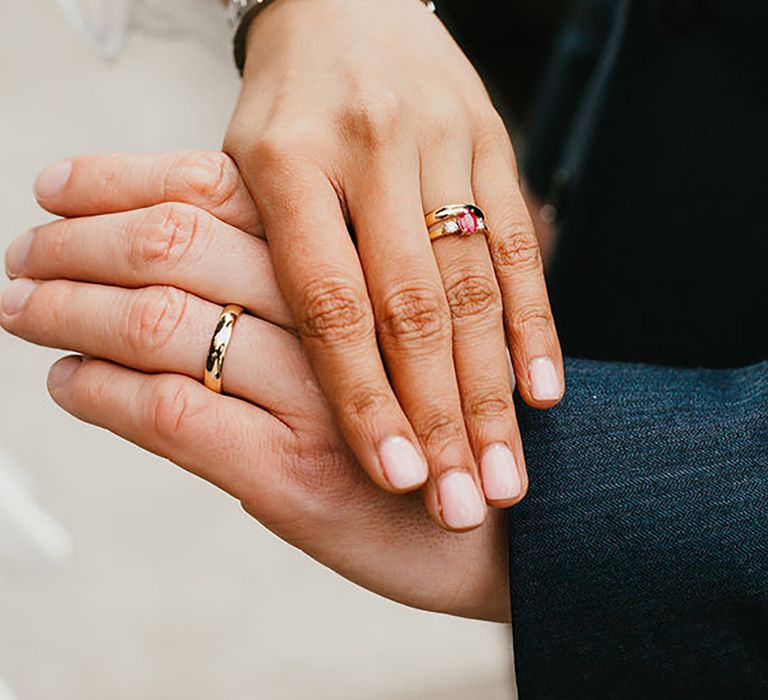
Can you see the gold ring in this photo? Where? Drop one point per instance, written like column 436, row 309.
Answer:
column 214, row 363
column 455, row 220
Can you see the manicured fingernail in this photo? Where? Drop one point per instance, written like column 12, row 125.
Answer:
column 16, row 295
column 403, row 466
column 52, row 180
column 17, row 253
column 545, row 382
column 461, row 502
column 498, row 469
column 62, row 371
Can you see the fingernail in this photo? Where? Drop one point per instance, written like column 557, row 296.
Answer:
column 498, row 469
column 17, row 253
column 52, row 180
column 545, row 382
column 461, row 503
column 16, row 295
column 62, row 371
column 403, row 466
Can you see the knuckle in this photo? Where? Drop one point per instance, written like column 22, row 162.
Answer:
column 59, row 303
column 57, row 237
column 473, row 295
column 208, row 177
column 167, row 235
column 334, row 310
column 415, row 313
column 515, row 248
column 490, row 126
column 493, row 142
column 366, row 400
column 438, row 429
column 373, row 119
column 278, row 147
column 532, row 315
column 170, row 409
column 440, row 129
column 489, row 404
column 154, row 316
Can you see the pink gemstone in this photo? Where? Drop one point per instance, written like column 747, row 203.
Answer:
column 468, row 222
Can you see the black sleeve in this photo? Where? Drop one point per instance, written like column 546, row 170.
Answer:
column 639, row 559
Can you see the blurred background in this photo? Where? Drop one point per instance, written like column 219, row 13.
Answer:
column 155, row 585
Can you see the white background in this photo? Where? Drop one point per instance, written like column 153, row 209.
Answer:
column 171, row 591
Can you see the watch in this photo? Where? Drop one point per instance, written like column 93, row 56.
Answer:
column 243, row 12
column 239, row 8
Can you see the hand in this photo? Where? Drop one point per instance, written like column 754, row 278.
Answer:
column 366, row 114
column 138, row 281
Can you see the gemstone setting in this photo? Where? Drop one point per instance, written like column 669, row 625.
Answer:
column 469, row 223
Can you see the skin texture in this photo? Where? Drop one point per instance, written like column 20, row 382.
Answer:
column 135, row 276
column 362, row 115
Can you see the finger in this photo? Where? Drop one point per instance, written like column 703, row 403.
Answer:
column 212, row 436
column 108, row 183
column 171, row 244
column 414, row 329
column 319, row 272
column 533, row 341
column 162, row 329
column 479, row 344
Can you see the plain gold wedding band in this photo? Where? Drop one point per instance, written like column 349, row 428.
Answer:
column 214, row 363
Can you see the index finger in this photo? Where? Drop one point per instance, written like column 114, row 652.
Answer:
column 112, row 183
column 319, row 271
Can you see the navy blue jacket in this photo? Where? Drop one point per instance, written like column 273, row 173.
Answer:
column 639, row 560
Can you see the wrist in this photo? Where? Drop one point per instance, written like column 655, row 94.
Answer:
column 242, row 14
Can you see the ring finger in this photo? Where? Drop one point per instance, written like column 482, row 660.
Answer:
column 479, row 347
column 161, row 329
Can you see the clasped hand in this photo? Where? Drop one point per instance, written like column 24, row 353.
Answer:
column 151, row 248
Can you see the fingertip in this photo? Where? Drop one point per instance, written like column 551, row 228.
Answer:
column 544, row 387
column 52, row 180
column 510, row 502
column 62, row 372
column 15, row 298
column 462, row 507
column 17, row 253
column 404, row 468
column 501, row 475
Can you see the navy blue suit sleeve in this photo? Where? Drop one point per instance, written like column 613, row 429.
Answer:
column 639, row 559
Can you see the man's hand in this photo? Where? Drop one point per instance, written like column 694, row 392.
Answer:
column 137, row 280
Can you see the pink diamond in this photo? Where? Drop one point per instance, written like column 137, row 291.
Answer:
column 468, row 222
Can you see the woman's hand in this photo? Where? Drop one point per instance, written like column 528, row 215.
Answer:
column 139, row 281
column 366, row 114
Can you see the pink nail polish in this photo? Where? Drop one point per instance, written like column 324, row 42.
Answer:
column 545, row 382
column 461, row 503
column 52, row 180
column 16, row 295
column 498, row 469
column 17, row 253
column 402, row 464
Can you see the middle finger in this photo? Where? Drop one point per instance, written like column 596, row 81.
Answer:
column 171, row 243
column 414, row 330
